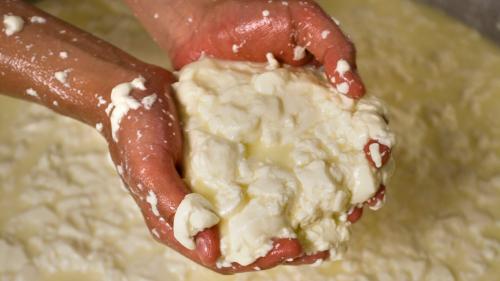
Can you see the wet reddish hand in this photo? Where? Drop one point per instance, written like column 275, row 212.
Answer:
column 295, row 32
column 149, row 142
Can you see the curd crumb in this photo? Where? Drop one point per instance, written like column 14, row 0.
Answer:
column 62, row 76
column 153, row 202
column 342, row 67
column 375, row 154
column 194, row 214
column 155, row 233
column 235, row 48
column 148, row 101
column 99, row 127
column 272, row 63
column 37, row 19
column 337, row 22
column 32, row 93
column 325, row 33
column 119, row 169
column 122, row 102
column 138, row 83
column 343, row 88
column 299, row 53
column 12, row 24
column 63, row 55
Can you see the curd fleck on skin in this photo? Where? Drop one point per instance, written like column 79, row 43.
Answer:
column 49, row 62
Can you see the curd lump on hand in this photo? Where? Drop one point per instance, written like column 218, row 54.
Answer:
column 279, row 153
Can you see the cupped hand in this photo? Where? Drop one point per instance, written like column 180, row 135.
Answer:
column 147, row 152
column 78, row 75
column 295, row 32
column 147, row 148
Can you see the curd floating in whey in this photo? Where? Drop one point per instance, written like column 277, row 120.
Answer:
column 278, row 153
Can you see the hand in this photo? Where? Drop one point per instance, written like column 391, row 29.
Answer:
column 147, row 150
column 148, row 147
column 295, row 32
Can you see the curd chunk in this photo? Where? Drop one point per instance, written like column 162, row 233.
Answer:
column 279, row 153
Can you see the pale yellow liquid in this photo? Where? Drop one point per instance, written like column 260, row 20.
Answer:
column 441, row 81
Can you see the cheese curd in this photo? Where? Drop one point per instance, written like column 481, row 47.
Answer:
column 194, row 214
column 279, row 154
column 122, row 103
column 12, row 24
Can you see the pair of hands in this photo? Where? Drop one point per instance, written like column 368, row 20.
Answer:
column 232, row 30
column 148, row 151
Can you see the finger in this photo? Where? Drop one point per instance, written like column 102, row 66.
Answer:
column 377, row 200
column 207, row 242
column 208, row 245
column 373, row 203
column 324, row 39
column 355, row 214
column 284, row 249
column 160, row 185
column 157, row 183
column 150, row 146
column 245, row 42
column 162, row 231
column 342, row 75
column 309, row 259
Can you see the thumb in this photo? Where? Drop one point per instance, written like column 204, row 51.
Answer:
column 158, row 189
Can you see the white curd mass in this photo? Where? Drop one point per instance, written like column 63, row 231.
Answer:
column 278, row 153
column 12, row 24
